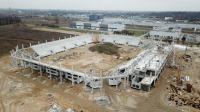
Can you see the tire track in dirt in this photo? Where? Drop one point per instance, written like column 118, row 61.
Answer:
column 2, row 108
column 12, row 106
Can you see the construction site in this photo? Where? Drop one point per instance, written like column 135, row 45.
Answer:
column 101, row 73
column 141, row 68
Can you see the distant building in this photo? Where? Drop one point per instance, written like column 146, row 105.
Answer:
column 169, row 18
column 116, row 27
column 98, row 26
column 103, row 27
column 182, row 21
column 79, row 25
column 95, row 17
column 87, row 25
column 73, row 25
column 175, row 32
column 169, row 35
column 95, row 26
column 166, row 32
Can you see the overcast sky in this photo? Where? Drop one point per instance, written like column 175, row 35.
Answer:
column 127, row 5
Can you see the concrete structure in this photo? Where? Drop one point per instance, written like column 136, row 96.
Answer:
column 147, row 64
column 149, row 67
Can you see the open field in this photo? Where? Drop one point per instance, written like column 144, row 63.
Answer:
column 66, row 30
column 138, row 30
column 22, row 92
column 13, row 35
column 57, row 30
column 82, row 59
column 141, row 28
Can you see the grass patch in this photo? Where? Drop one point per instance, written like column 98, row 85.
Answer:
column 106, row 48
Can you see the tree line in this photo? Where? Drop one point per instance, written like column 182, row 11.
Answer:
column 5, row 20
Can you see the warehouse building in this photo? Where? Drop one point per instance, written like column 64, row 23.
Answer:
column 98, row 26
column 157, row 35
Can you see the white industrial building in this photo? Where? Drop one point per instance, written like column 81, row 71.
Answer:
column 158, row 35
column 111, row 27
column 150, row 22
column 79, row 25
column 165, row 33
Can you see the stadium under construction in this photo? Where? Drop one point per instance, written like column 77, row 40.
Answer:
column 141, row 71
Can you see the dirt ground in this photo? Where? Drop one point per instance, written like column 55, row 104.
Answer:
column 18, row 34
column 82, row 59
column 57, row 30
column 185, row 67
column 22, row 92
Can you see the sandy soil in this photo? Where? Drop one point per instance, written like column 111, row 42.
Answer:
column 22, row 92
column 187, row 68
column 82, row 59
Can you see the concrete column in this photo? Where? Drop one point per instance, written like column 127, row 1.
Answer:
column 124, row 82
column 13, row 61
column 22, row 46
column 72, row 79
column 24, row 65
column 116, row 87
column 40, row 70
column 149, row 88
column 50, row 74
column 127, row 80
column 31, row 68
column 92, row 86
column 61, row 80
